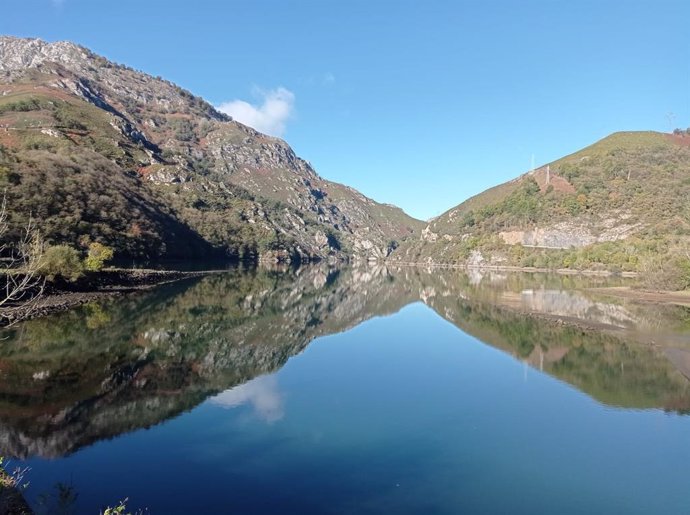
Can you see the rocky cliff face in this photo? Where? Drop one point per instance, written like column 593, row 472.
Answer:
column 242, row 192
column 565, row 235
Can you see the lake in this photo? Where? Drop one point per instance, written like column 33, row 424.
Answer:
column 372, row 390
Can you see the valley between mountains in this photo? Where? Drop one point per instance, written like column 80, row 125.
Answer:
column 96, row 151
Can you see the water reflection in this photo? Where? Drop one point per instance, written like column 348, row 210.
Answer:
column 262, row 393
column 109, row 368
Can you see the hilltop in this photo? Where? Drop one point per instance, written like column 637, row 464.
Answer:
column 97, row 151
column 611, row 205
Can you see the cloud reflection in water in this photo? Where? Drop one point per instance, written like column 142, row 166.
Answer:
column 261, row 392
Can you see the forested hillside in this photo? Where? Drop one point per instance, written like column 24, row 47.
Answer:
column 620, row 204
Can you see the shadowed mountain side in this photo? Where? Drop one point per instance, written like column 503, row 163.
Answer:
column 105, row 369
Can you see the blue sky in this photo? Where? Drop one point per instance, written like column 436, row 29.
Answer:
column 420, row 104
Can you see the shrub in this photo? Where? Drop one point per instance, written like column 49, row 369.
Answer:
column 29, row 104
column 65, row 117
column 665, row 273
column 97, row 256
column 61, row 261
column 184, row 130
column 120, row 509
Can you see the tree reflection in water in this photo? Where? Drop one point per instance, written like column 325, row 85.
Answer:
column 104, row 369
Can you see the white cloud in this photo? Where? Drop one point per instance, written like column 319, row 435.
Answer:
column 270, row 117
column 261, row 392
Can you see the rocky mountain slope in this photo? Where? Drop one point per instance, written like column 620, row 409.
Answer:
column 93, row 149
column 608, row 205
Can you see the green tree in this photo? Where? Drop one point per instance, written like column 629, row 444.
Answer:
column 98, row 255
column 61, row 261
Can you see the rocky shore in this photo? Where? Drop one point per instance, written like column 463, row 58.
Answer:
column 63, row 295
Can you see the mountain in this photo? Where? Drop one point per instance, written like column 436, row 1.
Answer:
column 608, row 205
column 95, row 150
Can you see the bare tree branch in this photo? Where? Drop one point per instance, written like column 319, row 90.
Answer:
column 21, row 263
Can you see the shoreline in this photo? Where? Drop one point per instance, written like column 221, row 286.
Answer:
column 678, row 298
column 108, row 283
column 117, row 282
column 509, row 268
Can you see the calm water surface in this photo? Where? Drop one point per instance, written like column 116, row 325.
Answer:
column 353, row 391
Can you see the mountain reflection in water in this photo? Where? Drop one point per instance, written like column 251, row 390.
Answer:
column 107, row 368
